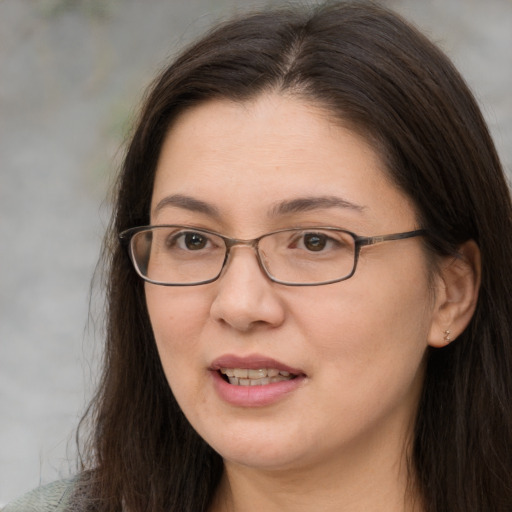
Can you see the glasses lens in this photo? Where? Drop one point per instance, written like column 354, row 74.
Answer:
column 177, row 255
column 302, row 256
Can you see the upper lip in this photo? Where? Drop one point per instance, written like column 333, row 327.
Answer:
column 252, row 362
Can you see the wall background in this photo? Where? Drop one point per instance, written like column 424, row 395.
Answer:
column 71, row 75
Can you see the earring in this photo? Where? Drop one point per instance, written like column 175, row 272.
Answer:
column 447, row 336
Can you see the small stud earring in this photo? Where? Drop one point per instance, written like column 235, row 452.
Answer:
column 447, row 336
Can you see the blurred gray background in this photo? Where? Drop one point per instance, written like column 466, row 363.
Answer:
column 71, row 75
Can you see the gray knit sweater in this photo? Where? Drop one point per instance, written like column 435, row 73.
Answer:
column 49, row 498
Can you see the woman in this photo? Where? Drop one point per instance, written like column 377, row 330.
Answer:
column 308, row 281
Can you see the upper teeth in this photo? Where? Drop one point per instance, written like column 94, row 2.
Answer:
column 249, row 377
column 245, row 373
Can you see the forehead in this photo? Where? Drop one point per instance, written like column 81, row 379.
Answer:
column 261, row 126
column 255, row 155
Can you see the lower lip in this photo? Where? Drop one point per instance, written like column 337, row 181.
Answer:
column 254, row 396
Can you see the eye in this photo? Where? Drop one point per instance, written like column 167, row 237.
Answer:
column 194, row 241
column 188, row 241
column 321, row 242
column 315, row 241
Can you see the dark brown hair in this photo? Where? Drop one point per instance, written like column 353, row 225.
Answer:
column 372, row 70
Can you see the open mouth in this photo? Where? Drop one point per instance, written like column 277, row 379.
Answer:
column 249, row 377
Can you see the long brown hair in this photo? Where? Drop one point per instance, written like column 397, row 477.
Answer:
column 372, row 70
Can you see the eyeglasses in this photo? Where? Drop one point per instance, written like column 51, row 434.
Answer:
column 174, row 255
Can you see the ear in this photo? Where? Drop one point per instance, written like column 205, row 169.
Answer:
column 457, row 286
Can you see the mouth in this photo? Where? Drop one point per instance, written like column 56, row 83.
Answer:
column 254, row 377
column 254, row 380
column 253, row 370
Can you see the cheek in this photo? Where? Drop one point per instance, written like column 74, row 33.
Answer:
column 176, row 313
column 177, row 317
column 375, row 328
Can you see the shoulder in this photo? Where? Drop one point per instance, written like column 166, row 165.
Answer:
column 53, row 497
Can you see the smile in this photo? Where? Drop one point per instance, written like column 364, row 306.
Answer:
column 256, row 377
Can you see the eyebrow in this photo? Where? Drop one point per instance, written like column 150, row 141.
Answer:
column 304, row 204
column 187, row 203
column 297, row 205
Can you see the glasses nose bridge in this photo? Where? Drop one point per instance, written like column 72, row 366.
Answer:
column 234, row 242
column 240, row 242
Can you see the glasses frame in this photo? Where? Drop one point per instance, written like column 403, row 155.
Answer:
column 359, row 241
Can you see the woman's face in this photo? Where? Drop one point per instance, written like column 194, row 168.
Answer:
column 355, row 348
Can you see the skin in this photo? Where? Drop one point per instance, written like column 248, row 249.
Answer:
column 341, row 437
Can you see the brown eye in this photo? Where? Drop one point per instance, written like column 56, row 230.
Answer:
column 194, row 241
column 315, row 241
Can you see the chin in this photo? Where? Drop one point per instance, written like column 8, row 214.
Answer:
column 261, row 452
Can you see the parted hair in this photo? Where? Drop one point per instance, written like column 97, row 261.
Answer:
column 380, row 76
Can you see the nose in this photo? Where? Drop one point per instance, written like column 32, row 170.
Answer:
column 245, row 297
